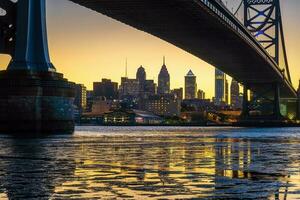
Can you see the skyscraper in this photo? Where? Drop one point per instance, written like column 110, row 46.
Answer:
column 226, row 91
column 190, row 85
column 128, row 87
column 235, row 94
column 219, row 87
column 141, row 77
column 178, row 93
column 163, row 80
column 80, row 97
column 201, row 94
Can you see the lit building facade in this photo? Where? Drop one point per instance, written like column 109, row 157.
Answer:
column 80, row 100
column 190, row 85
column 226, row 91
column 235, row 95
column 163, row 105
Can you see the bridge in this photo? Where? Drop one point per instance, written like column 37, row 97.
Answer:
column 204, row 28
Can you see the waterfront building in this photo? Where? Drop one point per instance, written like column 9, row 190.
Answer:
column 197, row 105
column 129, row 87
column 163, row 80
column 80, row 100
column 146, row 118
column 131, row 117
column 163, row 105
column 178, row 93
column 106, row 88
column 235, row 94
column 190, row 85
column 201, row 94
column 219, row 87
column 119, row 117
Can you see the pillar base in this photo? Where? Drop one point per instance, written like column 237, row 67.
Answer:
column 35, row 103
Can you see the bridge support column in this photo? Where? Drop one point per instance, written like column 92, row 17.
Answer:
column 276, row 108
column 33, row 97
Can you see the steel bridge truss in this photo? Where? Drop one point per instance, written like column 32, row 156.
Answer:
column 263, row 19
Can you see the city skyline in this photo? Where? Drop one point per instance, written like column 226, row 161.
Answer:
column 85, row 55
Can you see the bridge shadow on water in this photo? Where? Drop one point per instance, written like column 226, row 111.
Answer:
column 184, row 165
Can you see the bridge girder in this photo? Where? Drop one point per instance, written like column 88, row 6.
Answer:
column 263, row 19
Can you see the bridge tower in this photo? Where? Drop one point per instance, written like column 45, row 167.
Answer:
column 263, row 19
column 33, row 96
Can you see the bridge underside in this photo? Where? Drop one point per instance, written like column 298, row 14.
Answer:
column 194, row 28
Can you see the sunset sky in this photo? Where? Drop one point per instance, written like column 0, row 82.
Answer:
column 87, row 46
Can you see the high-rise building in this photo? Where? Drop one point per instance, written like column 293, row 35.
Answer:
column 201, row 94
column 190, row 85
column 163, row 80
column 226, row 91
column 129, row 87
column 163, row 105
column 106, row 88
column 219, row 87
column 80, row 100
column 150, row 88
column 178, row 93
column 141, row 77
column 235, row 94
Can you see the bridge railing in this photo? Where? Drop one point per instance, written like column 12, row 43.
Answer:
column 223, row 13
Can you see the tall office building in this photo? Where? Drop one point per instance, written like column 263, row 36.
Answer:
column 178, row 93
column 80, row 100
column 219, row 87
column 226, row 91
column 200, row 94
column 141, row 77
column 106, row 88
column 190, row 85
column 129, row 87
column 163, row 80
column 163, row 105
column 235, row 94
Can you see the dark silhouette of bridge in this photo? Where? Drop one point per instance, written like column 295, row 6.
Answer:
column 205, row 28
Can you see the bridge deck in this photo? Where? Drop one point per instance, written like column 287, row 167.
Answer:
column 194, row 27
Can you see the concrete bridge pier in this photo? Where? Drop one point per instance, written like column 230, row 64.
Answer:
column 34, row 98
column 276, row 107
column 271, row 95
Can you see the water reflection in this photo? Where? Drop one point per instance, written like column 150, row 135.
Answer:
column 31, row 168
column 167, row 165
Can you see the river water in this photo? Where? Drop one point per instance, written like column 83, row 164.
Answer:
column 153, row 163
